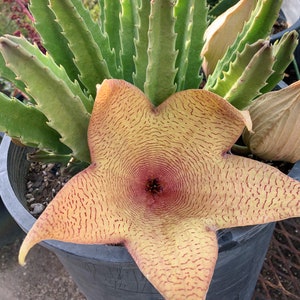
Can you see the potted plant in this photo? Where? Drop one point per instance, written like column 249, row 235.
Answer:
column 157, row 175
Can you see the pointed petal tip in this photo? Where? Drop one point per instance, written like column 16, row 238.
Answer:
column 247, row 119
column 98, row 87
column 28, row 243
column 22, row 258
column 31, row 239
column 108, row 86
column 25, row 248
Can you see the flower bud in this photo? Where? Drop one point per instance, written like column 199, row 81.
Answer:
column 223, row 31
column 276, row 125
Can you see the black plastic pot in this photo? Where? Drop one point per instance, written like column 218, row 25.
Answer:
column 295, row 25
column 9, row 230
column 108, row 272
column 278, row 35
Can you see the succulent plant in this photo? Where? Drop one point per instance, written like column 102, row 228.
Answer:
column 119, row 47
column 161, row 178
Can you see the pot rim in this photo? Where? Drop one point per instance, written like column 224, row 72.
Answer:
column 278, row 35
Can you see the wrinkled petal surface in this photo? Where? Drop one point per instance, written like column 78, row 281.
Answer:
column 161, row 182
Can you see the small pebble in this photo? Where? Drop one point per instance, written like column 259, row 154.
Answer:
column 36, row 208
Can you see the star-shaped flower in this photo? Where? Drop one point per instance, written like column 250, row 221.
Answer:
column 162, row 182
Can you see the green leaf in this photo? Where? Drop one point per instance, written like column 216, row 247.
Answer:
column 141, row 45
column 257, row 27
column 78, row 27
column 9, row 75
column 31, row 128
column 283, row 52
column 101, row 39
column 128, row 33
column 57, row 97
column 190, row 26
column 243, row 77
column 48, row 157
column 161, row 71
column 51, row 32
column 112, row 27
column 247, row 86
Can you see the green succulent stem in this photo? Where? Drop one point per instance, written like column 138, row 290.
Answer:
column 51, row 32
column 48, row 157
column 245, row 85
column 77, row 23
column 257, row 27
column 112, row 26
column 189, row 42
column 30, row 130
column 9, row 75
column 57, row 97
column 283, row 53
column 141, row 45
column 128, row 33
column 242, row 83
column 161, row 72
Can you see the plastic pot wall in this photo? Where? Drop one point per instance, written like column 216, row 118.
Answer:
column 108, row 272
column 9, row 230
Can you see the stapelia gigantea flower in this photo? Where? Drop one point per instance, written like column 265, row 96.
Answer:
column 276, row 125
column 162, row 182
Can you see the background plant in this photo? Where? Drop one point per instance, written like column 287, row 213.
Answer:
column 16, row 19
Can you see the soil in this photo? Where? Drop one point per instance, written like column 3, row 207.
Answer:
column 43, row 183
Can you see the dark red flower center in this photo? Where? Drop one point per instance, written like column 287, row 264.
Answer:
column 153, row 186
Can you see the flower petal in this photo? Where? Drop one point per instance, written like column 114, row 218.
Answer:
column 124, row 122
column 178, row 259
column 80, row 213
column 255, row 193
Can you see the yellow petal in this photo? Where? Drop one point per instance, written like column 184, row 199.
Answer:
column 80, row 213
column 180, row 264
column 254, row 193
